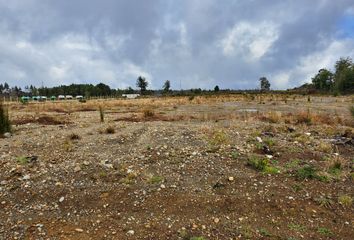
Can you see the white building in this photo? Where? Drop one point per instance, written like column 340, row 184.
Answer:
column 130, row 96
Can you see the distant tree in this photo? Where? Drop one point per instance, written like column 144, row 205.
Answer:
column 323, row 80
column 6, row 86
column 216, row 88
column 142, row 84
column 344, row 75
column 265, row 84
column 166, row 86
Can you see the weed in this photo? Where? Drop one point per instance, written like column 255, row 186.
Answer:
column 110, row 130
column 218, row 138
column 336, row 168
column 197, row 238
column 261, row 164
column 324, row 201
column 190, row 98
column 5, row 124
column 264, row 232
column 74, row 136
column 324, row 231
column 22, row 160
column 269, row 141
column 68, row 146
column 324, row 147
column 345, row 200
column 297, row 227
column 234, row 155
column 101, row 113
column 292, row 164
column 306, row 172
column 148, row 113
column 155, row 179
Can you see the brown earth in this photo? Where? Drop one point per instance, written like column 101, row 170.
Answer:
column 179, row 169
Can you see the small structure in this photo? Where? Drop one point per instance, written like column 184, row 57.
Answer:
column 79, row 97
column 53, row 98
column 68, row 97
column 130, row 95
column 61, row 97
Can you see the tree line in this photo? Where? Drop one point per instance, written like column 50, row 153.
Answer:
column 341, row 81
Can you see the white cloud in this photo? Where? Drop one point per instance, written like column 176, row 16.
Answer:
column 309, row 65
column 251, row 40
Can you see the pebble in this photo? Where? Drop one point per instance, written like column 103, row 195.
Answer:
column 259, row 139
column 61, row 199
column 216, row 220
column 130, row 232
column 231, row 179
column 7, row 135
column 79, row 230
column 77, row 169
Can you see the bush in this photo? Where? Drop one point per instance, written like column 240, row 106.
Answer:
column 5, row 124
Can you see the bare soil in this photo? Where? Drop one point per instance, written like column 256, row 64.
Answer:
column 182, row 172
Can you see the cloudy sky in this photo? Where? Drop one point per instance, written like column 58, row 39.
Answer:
column 198, row 43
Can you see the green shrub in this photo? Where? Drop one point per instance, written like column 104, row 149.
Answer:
column 307, row 172
column 5, row 124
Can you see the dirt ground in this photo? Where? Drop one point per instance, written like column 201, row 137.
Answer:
column 222, row 167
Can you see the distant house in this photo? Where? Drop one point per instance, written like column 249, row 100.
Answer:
column 78, row 97
column 69, row 97
column 130, row 96
column 61, row 97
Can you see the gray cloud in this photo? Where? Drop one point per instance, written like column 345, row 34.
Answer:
column 199, row 43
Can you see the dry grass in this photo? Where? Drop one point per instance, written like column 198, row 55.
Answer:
column 44, row 120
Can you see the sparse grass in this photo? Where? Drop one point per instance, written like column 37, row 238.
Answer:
column 345, row 200
column 5, row 124
column 297, row 227
column 68, row 146
column 234, row 155
column 351, row 109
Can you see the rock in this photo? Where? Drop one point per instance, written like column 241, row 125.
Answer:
column 308, row 134
column 216, row 220
column 7, row 135
column 259, row 139
column 162, row 186
column 231, row 179
column 26, row 177
column 130, row 232
column 79, row 230
column 77, row 169
column 269, row 156
column 61, row 199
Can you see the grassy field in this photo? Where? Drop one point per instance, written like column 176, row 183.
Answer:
column 214, row 167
